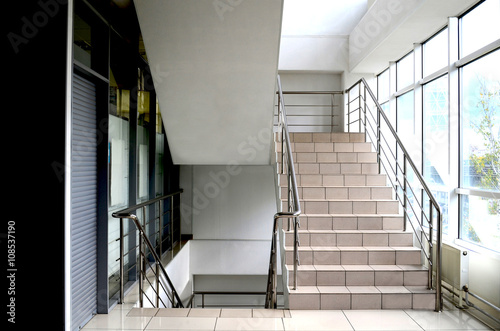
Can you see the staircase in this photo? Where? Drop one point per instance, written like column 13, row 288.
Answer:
column 353, row 251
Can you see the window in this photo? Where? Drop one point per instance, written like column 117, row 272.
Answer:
column 405, row 72
column 383, row 87
column 480, row 27
column 480, row 149
column 436, row 142
column 435, row 55
column 406, row 119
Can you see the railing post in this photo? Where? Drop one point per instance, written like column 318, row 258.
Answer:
column 160, row 230
column 141, row 276
column 157, row 272
column 332, row 100
column 349, row 111
column 295, row 253
column 122, row 273
column 364, row 106
column 275, row 269
column 378, row 140
column 359, row 109
column 431, row 266
column 405, row 197
column 172, row 225
column 439, row 242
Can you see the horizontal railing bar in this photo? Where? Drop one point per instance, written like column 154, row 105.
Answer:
column 310, row 92
column 146, row 203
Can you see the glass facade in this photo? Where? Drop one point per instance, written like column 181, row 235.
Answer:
column 457, row 111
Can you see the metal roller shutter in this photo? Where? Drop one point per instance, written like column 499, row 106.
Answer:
column 83, row 203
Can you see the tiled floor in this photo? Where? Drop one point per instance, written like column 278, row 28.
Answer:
column 126, row 317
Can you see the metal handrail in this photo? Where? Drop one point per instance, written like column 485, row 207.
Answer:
column 333, row 104
column 128, row 213
column 293, row 207
column 363, row 119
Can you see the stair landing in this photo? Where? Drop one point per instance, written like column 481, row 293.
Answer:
column 353, row 251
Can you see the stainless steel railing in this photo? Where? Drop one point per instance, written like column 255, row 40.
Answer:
column 364, row 114
column 312, row 110
column 158, row 286
column 293, row 204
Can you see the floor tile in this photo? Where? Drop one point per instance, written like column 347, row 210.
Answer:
column 116, row 322
column 446, row 320
column 173, row 312
column 260, row 324
column 268, row 313
column 317, row 320
column 381, row 320
column 142, row 312
column 182, row 323
column 204, row 312
column 242, row 313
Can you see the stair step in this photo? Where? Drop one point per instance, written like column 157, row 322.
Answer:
column 340, row 206
column 342, row 192
column 328, row 147
column 326, row 137
column 331, row 157
column 351, row 238
column 353, row 255
column 359, row 275
column 336, row 168
column 319, row 180
column 361, row 297
column 349, row 222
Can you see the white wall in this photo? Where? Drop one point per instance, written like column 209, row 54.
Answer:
column 315, row 112
column 228, row 202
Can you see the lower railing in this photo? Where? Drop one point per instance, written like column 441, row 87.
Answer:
column 150, row 268
column 420, row 208
column 203, row 294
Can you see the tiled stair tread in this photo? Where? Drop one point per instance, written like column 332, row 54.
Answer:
column 362, row 289
column 351, row 231
column 355, row 248
column 361, row 267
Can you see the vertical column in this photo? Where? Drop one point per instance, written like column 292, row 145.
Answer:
column 454, row 126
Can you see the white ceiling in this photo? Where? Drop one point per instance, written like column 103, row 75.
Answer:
column 321, row 17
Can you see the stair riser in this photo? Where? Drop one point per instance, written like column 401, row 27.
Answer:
column 351, row 193
column 352, row 239
column 361, row 301
column 348, row 207
column 349, row 223
column 336, row 169
column 323, row 137
column 320, row 180
column 331, row 157
column 359, row 278
column 336, row 147
column 355, row 257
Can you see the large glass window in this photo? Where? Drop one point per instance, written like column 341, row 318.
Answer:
column 405, row 71
column 406, row 119
column 480, row 27
column 383, row 92
column 480, row 152
column 435, row 54
column 436, row 142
